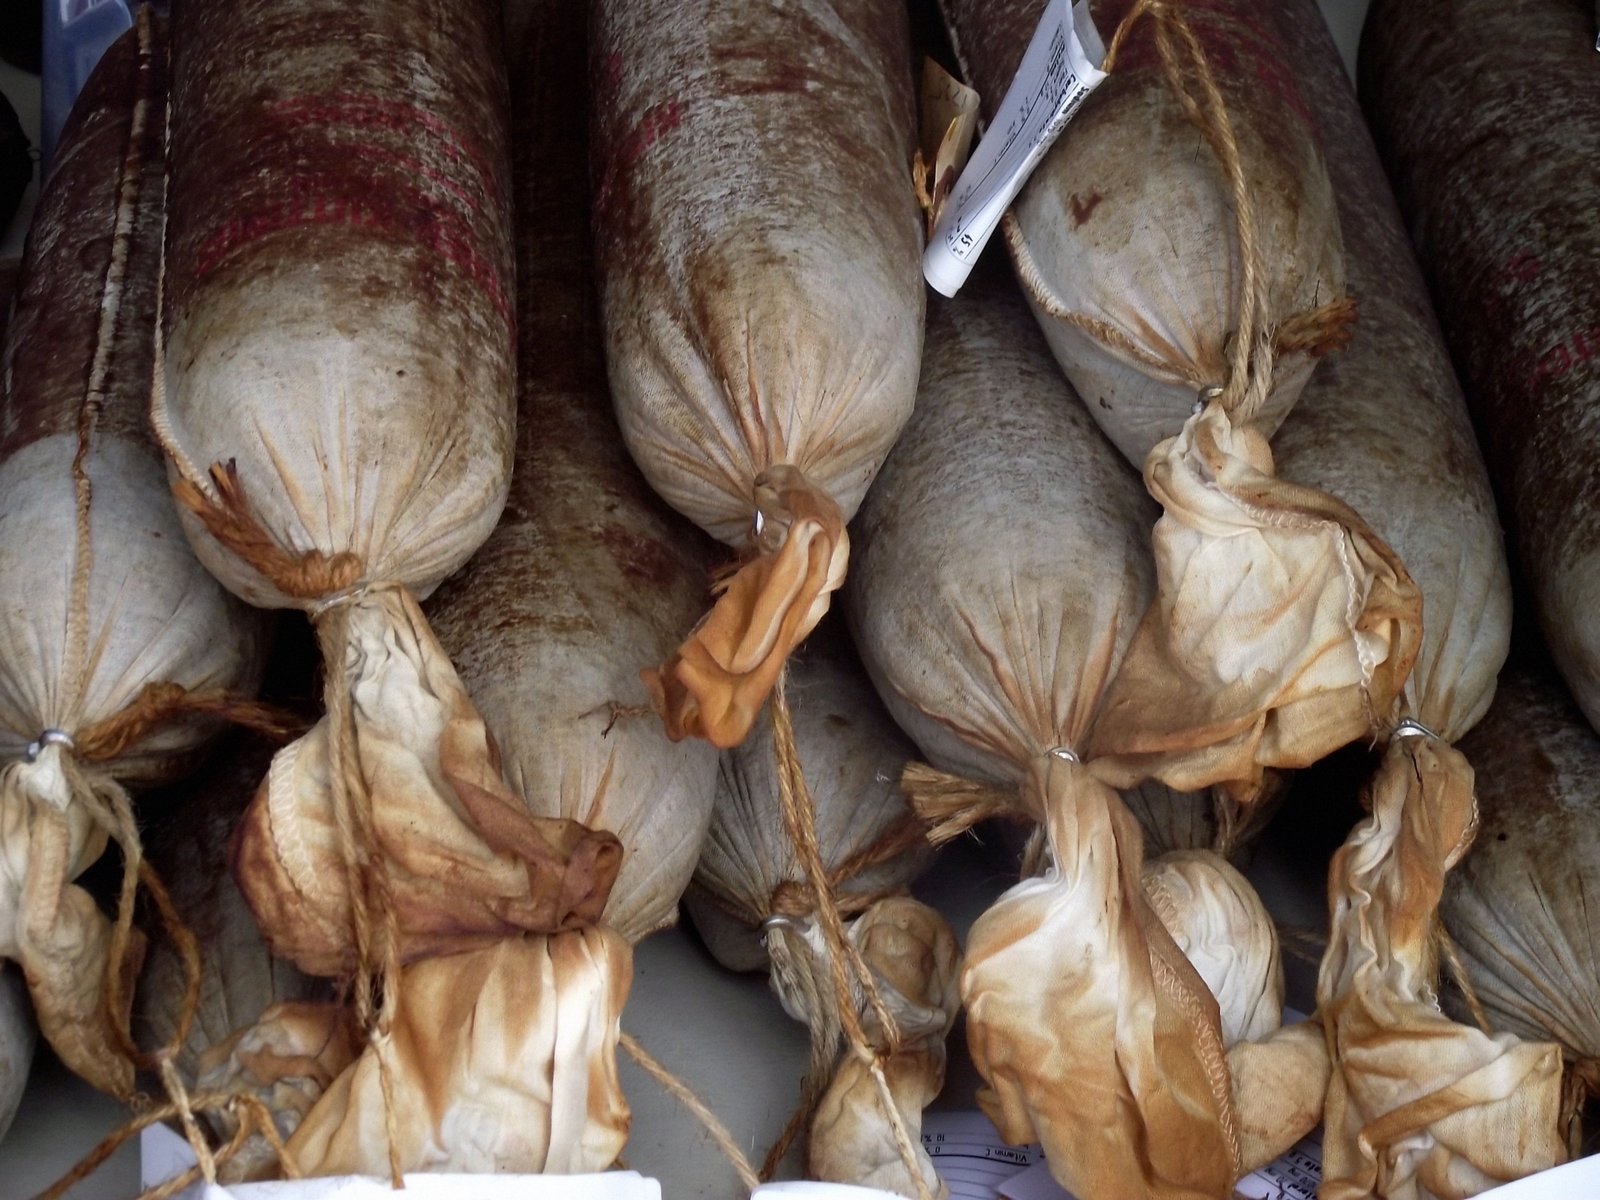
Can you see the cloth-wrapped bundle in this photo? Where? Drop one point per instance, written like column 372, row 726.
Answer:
column 1207, row 265
column 1383, row 425
column 1125, row 235
column 1517, row 906
column 759, row 245
column 117, row 645
column 259, row 1025
column 915, row 960
column 1506, row 231
column 991, row 641
column 339, row 354
column 17, row 1032
column 871, row 843
column 755, row 907
column 509, row 1060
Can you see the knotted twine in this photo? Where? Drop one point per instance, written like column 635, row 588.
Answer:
column 83, row 758
column 850, row 975
column 1256, row 341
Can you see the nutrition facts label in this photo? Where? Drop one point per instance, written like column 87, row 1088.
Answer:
column 976, row 1164
column 1293, row 1177
column 970, row 1155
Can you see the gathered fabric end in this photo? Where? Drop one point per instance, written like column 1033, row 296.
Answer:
column 1279, row 1073
column 715, row 685
column 504, row 1060
column 916, row 960
column 1280, row 1083
column 1284, row 627
column 404, row 765
column 858, row 1004
column 1095, row 1035
column 53, row 928
column 285, row 1061
column 224, row 510
column 1419, row 1107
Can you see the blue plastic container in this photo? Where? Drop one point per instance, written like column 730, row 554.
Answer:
column 76, row 33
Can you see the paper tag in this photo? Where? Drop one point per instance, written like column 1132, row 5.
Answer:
column 1292, row 1176
column 163, row 1155
column 949, row 120
column 1058, row 72
column 970, row 1156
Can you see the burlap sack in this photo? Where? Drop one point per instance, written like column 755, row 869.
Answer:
column 991, row 639
column 754, row 903
column 1504, row 229
column 1518, row 906
column 759, row 246
column 915, row 961
column 115, row 643
column 337, row 413
column 1125, row 236
column 1385, row 427
column 586, row 575
column 1419, row 1107
column 871, row 843
column 1188, row 289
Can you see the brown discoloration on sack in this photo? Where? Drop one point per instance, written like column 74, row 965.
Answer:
column 1490, row 124
column 1083, row 208
column 758, row 241
column 1383, row 425
column 340, row 276
column 64, row 290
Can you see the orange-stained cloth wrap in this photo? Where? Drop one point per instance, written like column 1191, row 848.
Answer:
column 1419, row 1107
column 497, row 1047
column 915, row 961
column 1095, row 1034
column 462, row 857
column 1284, row 627
column 286, row 1059
column 716, row 683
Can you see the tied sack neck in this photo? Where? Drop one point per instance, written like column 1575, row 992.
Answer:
column 462, row 858
column 715, row 685
column 1124, row 1081
column 1283, row 626
column 1419, row 1107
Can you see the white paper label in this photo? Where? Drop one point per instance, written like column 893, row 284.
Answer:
column 1293, row 1176
column 1057, row 73
column 970, row 1156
